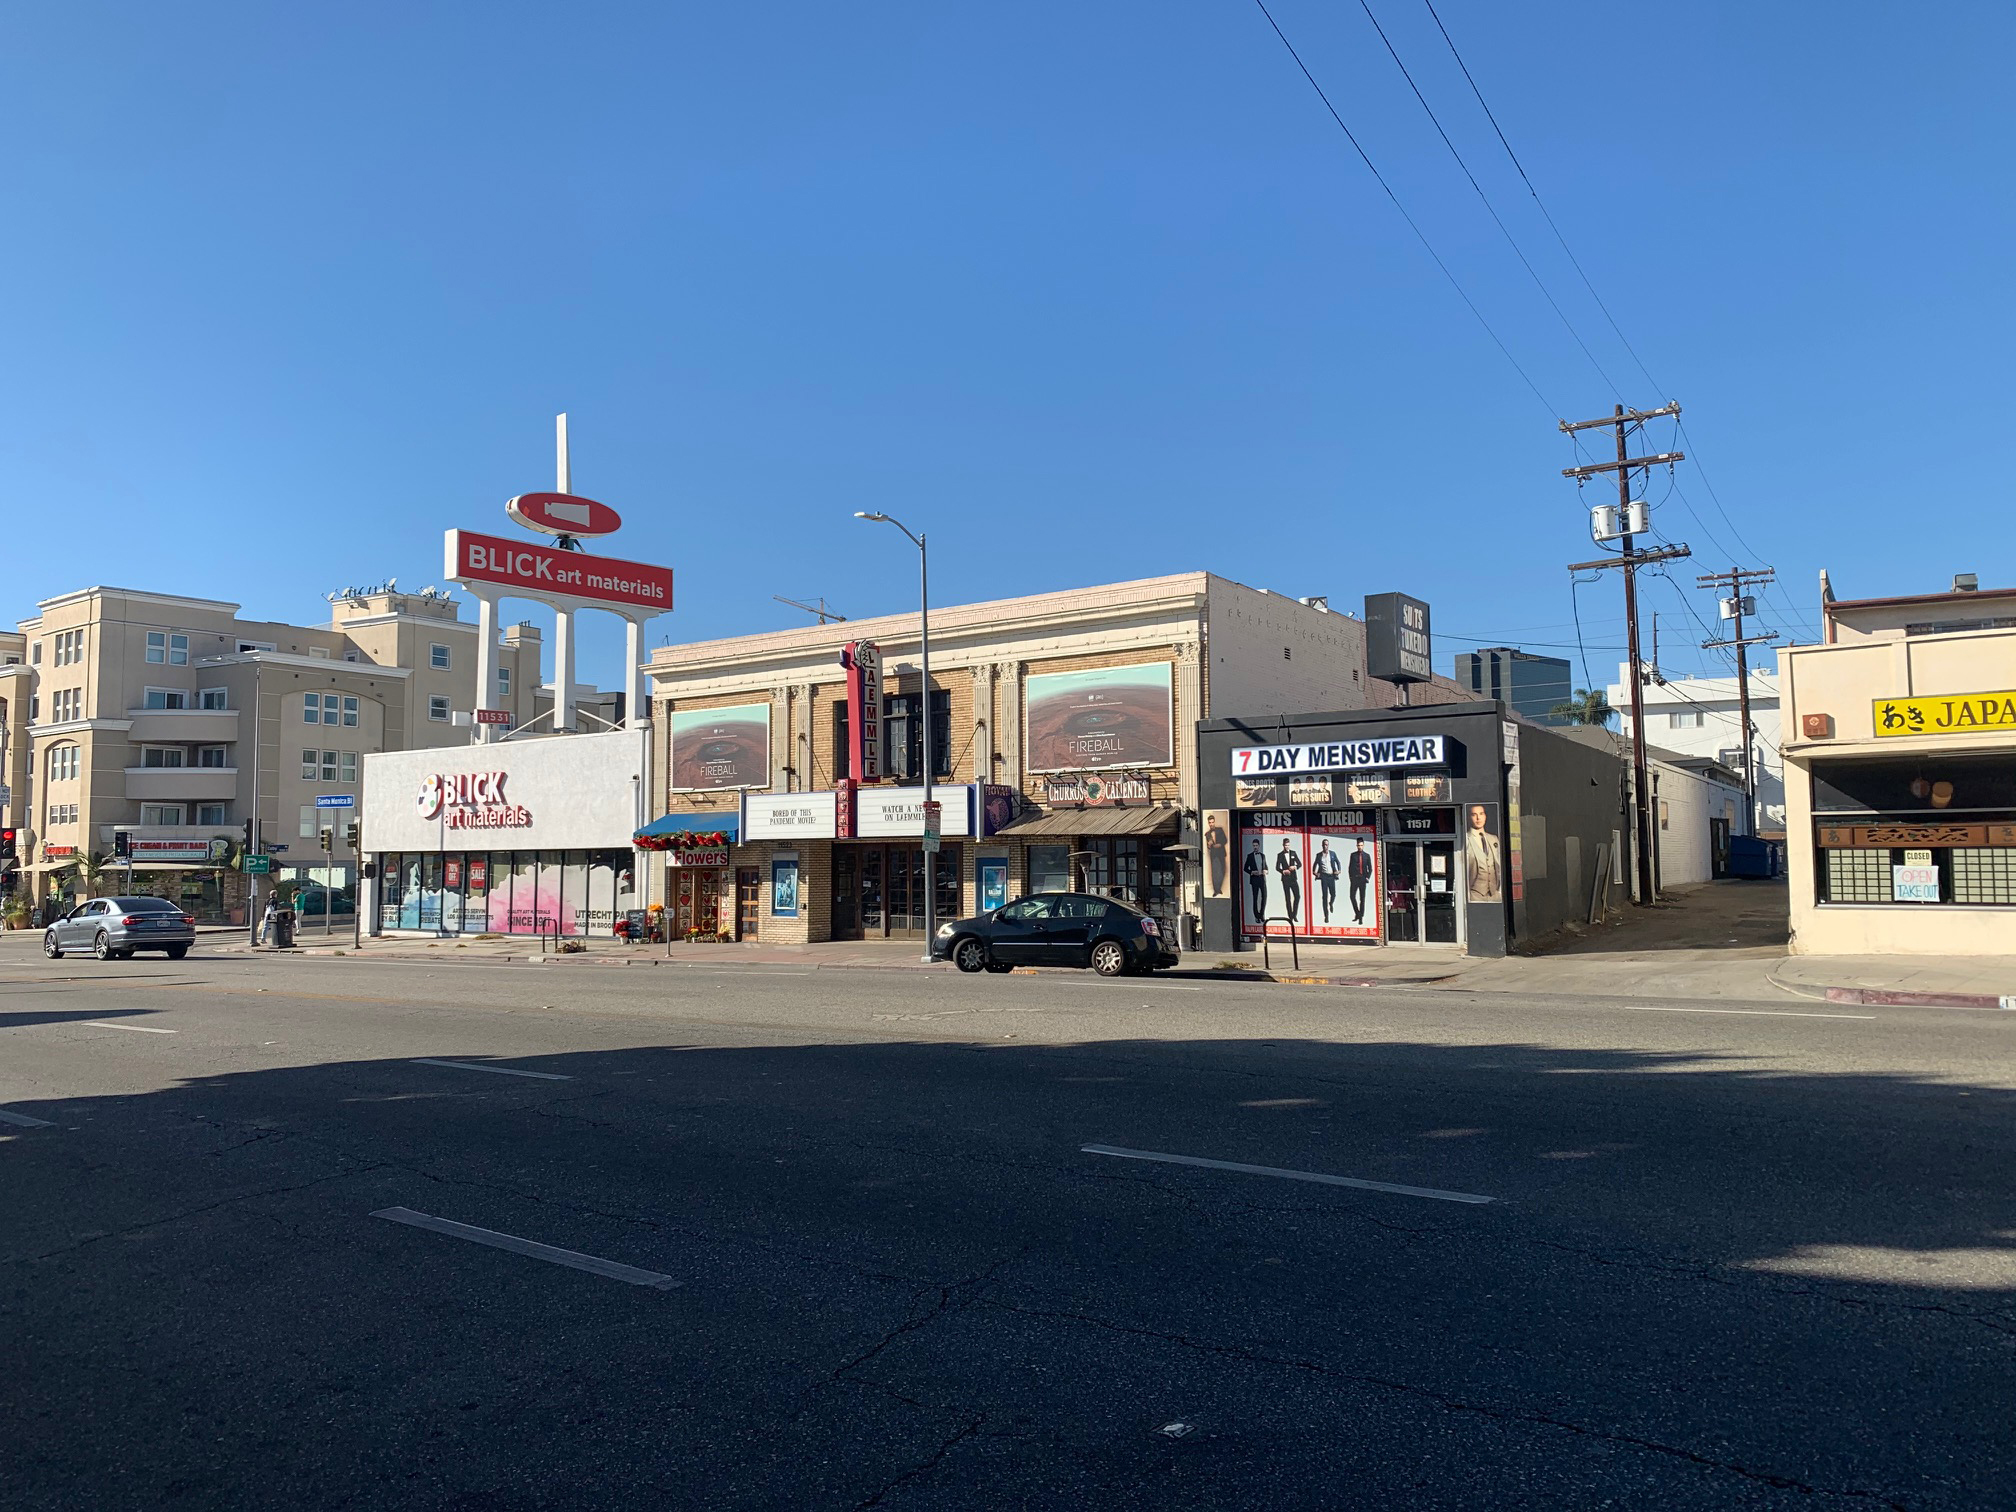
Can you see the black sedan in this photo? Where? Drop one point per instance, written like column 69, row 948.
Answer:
column 1057, row 929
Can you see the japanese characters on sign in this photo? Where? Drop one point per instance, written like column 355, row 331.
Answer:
column 1954, row 714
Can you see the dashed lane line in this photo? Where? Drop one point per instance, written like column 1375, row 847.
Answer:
column 573, row 1259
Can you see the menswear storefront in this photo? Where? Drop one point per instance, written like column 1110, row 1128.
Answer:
column 1449, row 824
column 520, row 837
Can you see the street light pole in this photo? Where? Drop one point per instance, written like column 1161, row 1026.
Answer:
column 924, row 661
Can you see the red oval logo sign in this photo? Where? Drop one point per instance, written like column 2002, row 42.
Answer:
column 563, row 514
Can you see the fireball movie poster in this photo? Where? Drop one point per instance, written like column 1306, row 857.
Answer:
column 721, row 748
column 1110, row 717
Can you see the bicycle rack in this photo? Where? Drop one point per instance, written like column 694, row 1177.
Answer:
column 1294, row 949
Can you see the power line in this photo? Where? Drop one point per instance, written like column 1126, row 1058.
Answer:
column 1412, row 225
column 1680, row 427
column 1485, row 199
column 1542, row 204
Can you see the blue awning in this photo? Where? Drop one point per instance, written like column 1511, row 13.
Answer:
column 728, row 823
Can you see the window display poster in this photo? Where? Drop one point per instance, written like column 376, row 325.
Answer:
column 721, row 748
column 1321, row 879
column 993, row 879
column 1103, row 718
column 1217, row 854
column 784, row 886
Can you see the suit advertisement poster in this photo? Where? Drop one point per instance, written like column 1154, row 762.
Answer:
column 1101, row 719
column 1483, row 856
column 721, row 748
column 1319, row 879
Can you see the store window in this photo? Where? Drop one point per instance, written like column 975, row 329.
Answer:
column 1914, row 832
column 1049, row 868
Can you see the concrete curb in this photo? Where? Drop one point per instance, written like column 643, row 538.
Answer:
column 1882, row 997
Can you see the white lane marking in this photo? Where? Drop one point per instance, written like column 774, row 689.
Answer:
column 1260, row 1170
column 1749, row 1012
column 23, row 1121
column 740, row 971
column 499, row 1070
column 572, row 1258
column 132, row 1028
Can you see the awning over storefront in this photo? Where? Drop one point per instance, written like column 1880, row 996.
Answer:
column 1065, row 824
column 729, row 824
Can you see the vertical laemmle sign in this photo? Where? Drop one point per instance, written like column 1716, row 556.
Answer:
column 863, row 661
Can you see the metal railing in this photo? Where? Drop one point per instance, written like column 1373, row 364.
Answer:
column 1294, row 949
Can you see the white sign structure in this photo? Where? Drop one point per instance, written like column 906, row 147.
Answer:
column 790, row 816
column 567, row 580
column 898, row 813
column 1338, row 756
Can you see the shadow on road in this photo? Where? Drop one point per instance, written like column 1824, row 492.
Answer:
column 1704, row 1281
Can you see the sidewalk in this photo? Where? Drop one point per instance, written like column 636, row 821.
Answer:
column 1724, row 940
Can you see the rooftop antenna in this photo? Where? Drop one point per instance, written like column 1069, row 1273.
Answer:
column 820, row 609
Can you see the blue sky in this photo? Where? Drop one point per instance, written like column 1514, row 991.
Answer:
column 1086, row 291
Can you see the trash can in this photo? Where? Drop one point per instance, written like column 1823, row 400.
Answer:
column 283, row 929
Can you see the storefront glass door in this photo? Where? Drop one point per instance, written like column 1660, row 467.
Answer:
column 1421, row 892
column 1403, row 899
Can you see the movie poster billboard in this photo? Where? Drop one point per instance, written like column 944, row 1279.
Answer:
column 1320, row 879
column 1100, row 719
column 721, row 748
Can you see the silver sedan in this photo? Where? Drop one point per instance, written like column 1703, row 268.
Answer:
column 113, row 928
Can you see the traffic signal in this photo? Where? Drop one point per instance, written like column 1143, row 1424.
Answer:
column 352, row 833
column 328, row 837
column 9, row 840
column 122, row 845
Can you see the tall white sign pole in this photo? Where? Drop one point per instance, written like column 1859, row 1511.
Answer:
column 563, row 620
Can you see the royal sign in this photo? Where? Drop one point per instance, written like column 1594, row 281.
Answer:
column 470, row 800
column 563, row 514
column 1337, row 756
column 550, row 574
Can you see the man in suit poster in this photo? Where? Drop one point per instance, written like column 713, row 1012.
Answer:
column 1217, row 853
column 1288, row 863
column 1483, row 857
column 1256, row 882
column 1327, row 866
column 1360, row 877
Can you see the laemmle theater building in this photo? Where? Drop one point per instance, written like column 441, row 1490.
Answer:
column 1062, row 749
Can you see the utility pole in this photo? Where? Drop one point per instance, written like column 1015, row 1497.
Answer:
column 1632, row 517
column 1734, row 607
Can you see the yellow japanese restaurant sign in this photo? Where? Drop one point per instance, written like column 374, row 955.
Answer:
column 1946, row 714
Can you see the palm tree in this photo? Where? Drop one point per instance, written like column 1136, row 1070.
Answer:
column 1589, row 706
column 91, row 870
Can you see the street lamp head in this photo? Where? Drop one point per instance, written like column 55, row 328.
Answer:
column 864, row 514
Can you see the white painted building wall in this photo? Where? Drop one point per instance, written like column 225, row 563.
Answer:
column 1683, row 804
column 1709, row 723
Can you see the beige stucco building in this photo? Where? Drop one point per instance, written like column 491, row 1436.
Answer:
column 1900, row 776
column 1064, row 752
column 171, row 721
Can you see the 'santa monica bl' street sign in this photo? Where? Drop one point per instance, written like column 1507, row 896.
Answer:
column 563, row 514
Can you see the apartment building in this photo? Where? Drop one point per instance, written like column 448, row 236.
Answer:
column 171, row 721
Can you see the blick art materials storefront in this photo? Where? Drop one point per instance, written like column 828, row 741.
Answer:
column 524, row 837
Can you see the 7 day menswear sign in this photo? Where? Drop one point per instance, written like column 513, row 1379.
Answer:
column 1337, row 756
column 550, row 574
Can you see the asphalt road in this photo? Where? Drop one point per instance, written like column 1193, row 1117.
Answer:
column 835, row 1240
